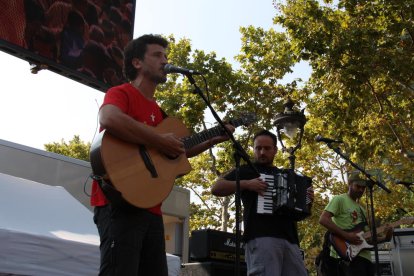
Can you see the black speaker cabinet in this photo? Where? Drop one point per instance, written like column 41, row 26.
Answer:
column 212, row 269
column 214, row 245
column 385, row 269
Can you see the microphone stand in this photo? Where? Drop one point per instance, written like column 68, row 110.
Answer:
column 371, row 184
column 239, row 153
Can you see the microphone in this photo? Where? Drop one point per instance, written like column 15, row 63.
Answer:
column 319, row 138
column 168, row 69
column 405, row 183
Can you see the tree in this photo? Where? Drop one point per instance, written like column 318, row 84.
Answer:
column 75, row 148
column 361, row 89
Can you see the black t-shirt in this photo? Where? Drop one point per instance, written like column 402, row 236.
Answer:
column 262, row 225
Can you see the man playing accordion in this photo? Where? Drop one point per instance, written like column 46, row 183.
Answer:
column 271, row 237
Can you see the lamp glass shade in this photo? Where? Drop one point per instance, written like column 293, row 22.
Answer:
column 290, row 129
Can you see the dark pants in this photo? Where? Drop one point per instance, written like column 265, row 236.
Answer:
column 132, row 242
column 359, row 266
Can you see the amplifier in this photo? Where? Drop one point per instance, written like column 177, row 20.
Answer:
column 210, row 245
column 384, row 264
column 385, row 269
column 212, row 269
column 403, row 251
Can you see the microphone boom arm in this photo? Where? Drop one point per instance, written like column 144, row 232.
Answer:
column 356, row 166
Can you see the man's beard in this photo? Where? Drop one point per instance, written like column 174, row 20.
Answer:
column 159, row 79
column 264, row 161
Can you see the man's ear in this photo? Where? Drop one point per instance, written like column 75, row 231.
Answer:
column 136, row 63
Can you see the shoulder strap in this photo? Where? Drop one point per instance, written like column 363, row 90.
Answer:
column 363, row 215
column 325, row 252
column 164, row 114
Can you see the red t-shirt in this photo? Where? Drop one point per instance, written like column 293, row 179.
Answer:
column 132, row 102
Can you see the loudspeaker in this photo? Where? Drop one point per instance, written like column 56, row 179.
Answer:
column 385, row 263
column 214, row 245
column 385, row 269
column 211, row 269
column 403, row 251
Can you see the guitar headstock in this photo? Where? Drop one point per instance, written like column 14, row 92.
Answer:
column 245, row 119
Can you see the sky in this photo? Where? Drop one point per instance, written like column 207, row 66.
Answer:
column 36, row 109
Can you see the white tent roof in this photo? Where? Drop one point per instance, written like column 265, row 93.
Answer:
column 45, row 210
column 45, row 231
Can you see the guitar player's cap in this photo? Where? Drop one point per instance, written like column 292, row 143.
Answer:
column 356, row 178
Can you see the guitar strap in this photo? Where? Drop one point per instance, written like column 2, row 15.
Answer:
column 112, row 194
column 164, row 114
column 365, row 221
column 323, row 259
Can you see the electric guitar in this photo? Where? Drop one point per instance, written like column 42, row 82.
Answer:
column 348, row 251
column 141, row 174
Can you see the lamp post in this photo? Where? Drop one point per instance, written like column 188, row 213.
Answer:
column 289, row 122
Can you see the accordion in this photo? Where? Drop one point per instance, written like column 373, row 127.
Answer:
column 286, row 194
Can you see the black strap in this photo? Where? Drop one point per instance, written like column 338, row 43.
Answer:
column 147, row 161
column 111, row 193
column 365, row 221
column 164, row 114
column 322, row 259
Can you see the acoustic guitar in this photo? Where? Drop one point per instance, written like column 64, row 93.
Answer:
column 141, row 174
column 348, row 251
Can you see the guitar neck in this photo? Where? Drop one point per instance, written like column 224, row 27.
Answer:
column 201, row 137
column 393, row 224
column 207, row 134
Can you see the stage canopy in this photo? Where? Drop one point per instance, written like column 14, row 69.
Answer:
column 46, row 231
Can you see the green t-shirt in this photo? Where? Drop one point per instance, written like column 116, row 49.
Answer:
column 346, row 215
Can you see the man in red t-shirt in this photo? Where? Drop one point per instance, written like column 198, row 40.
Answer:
column 132, row 239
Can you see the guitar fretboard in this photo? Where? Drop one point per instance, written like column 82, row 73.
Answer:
column 381, row 229
column 207, row 134
column 201, row 137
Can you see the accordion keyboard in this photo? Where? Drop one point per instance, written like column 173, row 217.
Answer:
column 265, row 202
column 286, row 194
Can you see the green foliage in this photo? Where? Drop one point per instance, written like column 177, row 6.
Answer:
column 75, row 148
column 361, row 90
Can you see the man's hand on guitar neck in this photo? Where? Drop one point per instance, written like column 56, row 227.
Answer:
column 209, row 143
column 224, row 137
column 384, row 234
column 172, row 146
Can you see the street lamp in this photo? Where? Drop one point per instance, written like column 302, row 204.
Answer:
column 289, row 122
